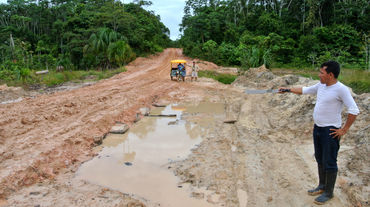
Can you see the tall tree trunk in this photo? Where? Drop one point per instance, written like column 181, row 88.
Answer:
column 367, row 52
column 12, row 45
column 320, row 14
column 304, row 14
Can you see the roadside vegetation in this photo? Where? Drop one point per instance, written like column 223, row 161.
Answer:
column 54, row 78
column 220, row 77
column 74, row 38
column 281, row 34
column 298, row 33
column 99, row 36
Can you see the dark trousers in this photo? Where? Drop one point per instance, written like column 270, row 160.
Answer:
column 326, row 148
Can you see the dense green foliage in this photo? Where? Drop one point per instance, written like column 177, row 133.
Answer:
column 300, row 32
column 220, row 77
column 75, row 34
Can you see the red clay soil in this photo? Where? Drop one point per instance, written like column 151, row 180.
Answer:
column 45, row 136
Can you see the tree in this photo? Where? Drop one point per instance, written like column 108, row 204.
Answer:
column 58, row 31
column 120, row 53
column 289, row 30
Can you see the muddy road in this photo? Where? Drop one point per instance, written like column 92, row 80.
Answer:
column 265, row 158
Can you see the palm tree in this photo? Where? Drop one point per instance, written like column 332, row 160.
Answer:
column 99, row 43
column 120, row 53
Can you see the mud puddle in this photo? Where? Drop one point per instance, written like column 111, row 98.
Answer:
column 136, row 163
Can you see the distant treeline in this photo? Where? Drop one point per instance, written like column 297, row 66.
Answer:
column 75, row 34
column 281, row 32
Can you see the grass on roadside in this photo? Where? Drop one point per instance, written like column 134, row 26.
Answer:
column 358, row 80
column 220, row 77
column 56, row 78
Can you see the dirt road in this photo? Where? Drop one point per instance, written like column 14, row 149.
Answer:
column 262, row 160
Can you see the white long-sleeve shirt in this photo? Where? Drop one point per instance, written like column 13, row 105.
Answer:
column 329, row 103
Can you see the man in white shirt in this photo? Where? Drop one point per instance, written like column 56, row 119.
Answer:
column 194, row 71
column 331, row 96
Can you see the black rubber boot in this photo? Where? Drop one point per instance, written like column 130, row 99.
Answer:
column 329, row 188
column 321, row 187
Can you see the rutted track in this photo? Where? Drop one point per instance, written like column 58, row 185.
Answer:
column 41, row 137
column 264, row 159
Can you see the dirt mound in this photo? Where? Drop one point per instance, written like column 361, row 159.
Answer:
column 293, row 114
column 205, row 65
column 261, row 77
column 260, row 69
column 355, row 157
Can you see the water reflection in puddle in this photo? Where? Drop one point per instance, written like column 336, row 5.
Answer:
column 135, row 162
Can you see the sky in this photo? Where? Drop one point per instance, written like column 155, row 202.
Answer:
column 171, row 12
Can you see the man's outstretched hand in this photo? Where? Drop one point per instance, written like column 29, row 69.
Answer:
column 293, row 90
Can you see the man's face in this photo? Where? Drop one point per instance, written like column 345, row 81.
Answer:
column 323, row 75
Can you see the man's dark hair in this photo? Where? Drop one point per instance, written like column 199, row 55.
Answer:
column 332, row 67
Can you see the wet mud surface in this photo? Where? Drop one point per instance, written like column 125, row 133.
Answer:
column 264, row 157
column 136, row 162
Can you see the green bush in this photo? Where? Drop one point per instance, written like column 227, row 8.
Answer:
column 220, row 77
column 226, row 78
column 7, row 75
column 209, row 49
column 255, row 57
column 227, row 54
column 325, row 57
column 359, row 86
column 358, row 80
column 24, row 74
column 196, row 51
column 13, row 71
column 73, row 75
column 55, row 79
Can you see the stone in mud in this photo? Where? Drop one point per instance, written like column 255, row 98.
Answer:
column 173, row 122
column 159, row 105
column 135, row 204
column 119, row 128
column 144, row 111
column 230, row 121
column 98, row 140
column 128, row 163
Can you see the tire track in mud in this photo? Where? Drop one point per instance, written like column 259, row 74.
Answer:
column 261, row 154
column 47, row 135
